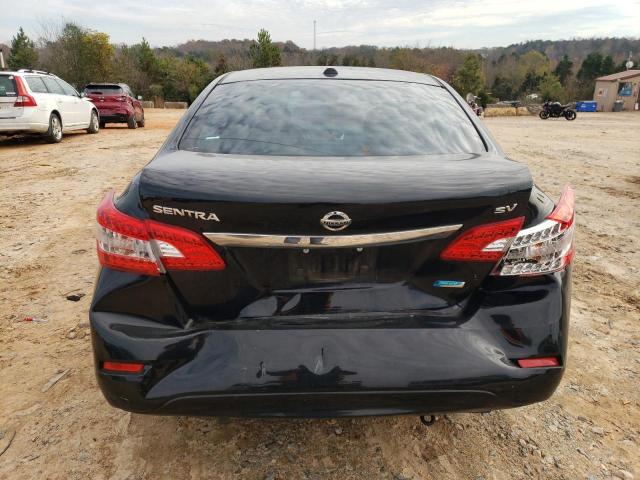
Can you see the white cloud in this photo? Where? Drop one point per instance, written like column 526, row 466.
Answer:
column 463, row 23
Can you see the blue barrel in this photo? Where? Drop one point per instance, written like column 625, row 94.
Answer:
column 586, row 106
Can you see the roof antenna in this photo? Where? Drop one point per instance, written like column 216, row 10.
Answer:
column 330, row 72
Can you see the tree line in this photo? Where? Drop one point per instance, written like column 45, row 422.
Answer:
column 81, row 55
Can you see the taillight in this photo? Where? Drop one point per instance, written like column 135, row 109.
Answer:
column 122, row 98
column 123, row 241
column 23, row 99
column 148, row 247
column 483, row 243
column 546, row 247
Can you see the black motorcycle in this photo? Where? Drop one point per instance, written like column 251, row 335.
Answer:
column 557, row 110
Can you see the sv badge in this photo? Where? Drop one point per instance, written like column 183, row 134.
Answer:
column 505, row 209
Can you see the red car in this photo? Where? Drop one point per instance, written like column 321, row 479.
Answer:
column 116, row 104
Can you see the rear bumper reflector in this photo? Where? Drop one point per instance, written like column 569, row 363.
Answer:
column 539, row 362
column 123, row 367
column 332, row 241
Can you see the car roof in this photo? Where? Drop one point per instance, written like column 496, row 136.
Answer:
column 23, row 71
column 317, row 72
column 105, row 84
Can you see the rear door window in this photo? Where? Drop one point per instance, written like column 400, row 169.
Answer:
column 52, row 85
column 7, row 86
column 68, row 89
column 36, row 84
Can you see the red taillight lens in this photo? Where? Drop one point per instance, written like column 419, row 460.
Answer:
column 182, row 249
column 123, row 367
column 23, row 99
column 147, row 247
column 538, row 362
column 483, row 243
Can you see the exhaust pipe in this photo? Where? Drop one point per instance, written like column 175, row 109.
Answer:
column 428, row 420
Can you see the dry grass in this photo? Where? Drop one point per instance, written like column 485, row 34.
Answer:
column 506, row 112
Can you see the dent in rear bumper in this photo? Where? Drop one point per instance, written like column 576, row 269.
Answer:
column 324, row 373
column 343, row 371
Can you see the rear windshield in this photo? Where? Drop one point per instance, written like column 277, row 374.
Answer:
column 104, row 89
column 330, row 118
column 7, row 86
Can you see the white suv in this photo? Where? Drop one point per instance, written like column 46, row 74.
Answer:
column 38, row 102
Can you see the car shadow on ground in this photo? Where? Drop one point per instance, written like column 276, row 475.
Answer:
column 16, row 140
column 28, row 140
column 372, row 447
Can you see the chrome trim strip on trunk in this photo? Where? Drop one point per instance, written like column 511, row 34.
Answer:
column 257, row 240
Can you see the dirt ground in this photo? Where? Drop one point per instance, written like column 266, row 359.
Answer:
column 590, row 428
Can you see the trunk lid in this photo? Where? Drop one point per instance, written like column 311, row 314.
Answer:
column 106, row 96
column 106, row 101
column 288, row 196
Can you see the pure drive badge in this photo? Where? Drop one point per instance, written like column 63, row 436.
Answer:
column 448, row 284
column 183, row 212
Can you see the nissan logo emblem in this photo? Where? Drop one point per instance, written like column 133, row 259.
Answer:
column 335, row 221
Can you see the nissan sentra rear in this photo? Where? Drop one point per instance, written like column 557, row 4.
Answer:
column 315, row 241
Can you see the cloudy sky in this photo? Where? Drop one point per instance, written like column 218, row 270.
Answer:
column 464, row 23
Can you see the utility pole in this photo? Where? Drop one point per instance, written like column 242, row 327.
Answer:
column 314, row 35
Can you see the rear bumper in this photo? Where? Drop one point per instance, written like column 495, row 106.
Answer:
column 115, row 118
column 7, row 127
column 417, row 365
column 118, row 114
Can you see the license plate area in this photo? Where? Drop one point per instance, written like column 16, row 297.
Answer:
column 332, row 265
column 7, row 110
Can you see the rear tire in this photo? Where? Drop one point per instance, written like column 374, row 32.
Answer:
column 94, row 123
column 570, row 115
column 544, row 115
column 141, row 122
column 54, row 134
column 131, row 122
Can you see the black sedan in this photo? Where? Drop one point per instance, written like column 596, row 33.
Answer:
column 339, row 241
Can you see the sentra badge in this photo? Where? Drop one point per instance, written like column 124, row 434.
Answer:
column 183, row 212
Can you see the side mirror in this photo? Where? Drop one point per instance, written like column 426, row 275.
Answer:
column 82, row 94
